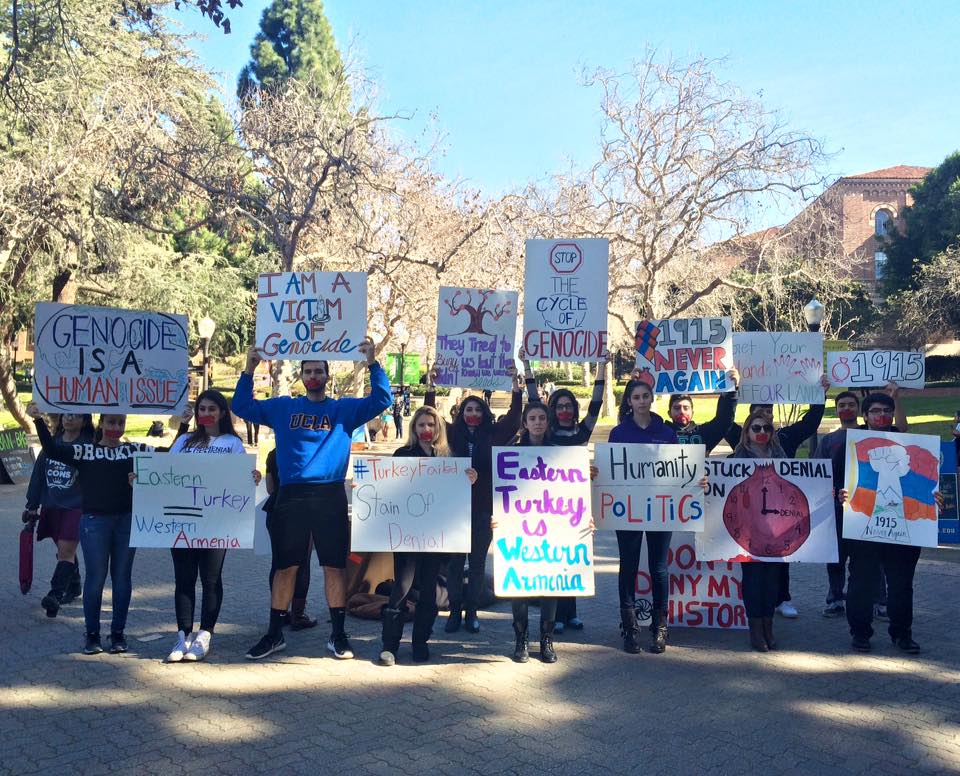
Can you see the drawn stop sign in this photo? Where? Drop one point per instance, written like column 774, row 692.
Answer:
column 566, row 258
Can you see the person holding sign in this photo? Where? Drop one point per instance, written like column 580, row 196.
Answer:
column 313, row 450
column 427, row 438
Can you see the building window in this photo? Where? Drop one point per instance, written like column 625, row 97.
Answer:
column 882, row 222
column 879, row 265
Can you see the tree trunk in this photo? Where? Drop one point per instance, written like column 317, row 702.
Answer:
column 65, row 288
column 587, row 376
column 8, row 389
column 568, row 365
column 609, row 399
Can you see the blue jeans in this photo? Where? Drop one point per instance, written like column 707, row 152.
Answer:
column 105, row 540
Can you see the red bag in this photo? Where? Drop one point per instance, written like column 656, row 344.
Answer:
column 26, row 557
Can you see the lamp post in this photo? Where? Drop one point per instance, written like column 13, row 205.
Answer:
column 813, row 312
column 206, row 326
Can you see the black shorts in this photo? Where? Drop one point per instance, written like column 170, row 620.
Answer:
column 302, row 510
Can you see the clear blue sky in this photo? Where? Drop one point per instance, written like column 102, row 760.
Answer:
column 876, row 81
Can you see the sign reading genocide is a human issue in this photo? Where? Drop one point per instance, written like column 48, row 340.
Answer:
column 193, row 501
column 648, row 487
column 16, row 464
column 304, row 315
column 685, row 355
column 565, row 299
column 542, row 543
column 876, row 368
column 101, row 359
column 779, row 367
column 410, row 504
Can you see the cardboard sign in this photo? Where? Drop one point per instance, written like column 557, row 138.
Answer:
column 304, row 315
column 190, row 500
column 565, row 299
column 476, row 330
column 16, row 463
column 876, row 368
column 101, row 359
column 891, row 479
column 948, row 523
column 702, row 594
column 543, row 544
column 779, row 367
column 685, row 355
column 776, row 510
column 410, row 504
column 648, row 487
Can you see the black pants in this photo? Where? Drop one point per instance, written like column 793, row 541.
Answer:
column 783, row 582
column 629, row 544
column 302, row 585
column 480, row 537
column 761, row 588
column 521, row 611
column 398, row 424
column 867, row 561
column 837, row 572
column 253, row 433
column 420, row 570
column 566, row 609
column 188, row 564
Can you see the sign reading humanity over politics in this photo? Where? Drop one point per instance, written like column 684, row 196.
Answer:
column 475, row 338
column 648, row 487
column 685, row 355
column 891, row 479
column 565, row 300
column 775, row 510
column 874, row 368
column 410, row 504
column 543, row 543
column 193, row 500
column 779, row 367
column 303, row 315
column 702, row 594
column 101, row 359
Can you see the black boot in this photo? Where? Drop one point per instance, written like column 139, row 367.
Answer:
column 630, row 630
column 58, row 586
column 658, row 633
column 454, row 620
column 547, row 652
column 298, row 618
column 423, row 621
column 75, row 587
column 521, row 651
column 767, row 624
column 471, row 621
column 392, row 633
column 757, row 640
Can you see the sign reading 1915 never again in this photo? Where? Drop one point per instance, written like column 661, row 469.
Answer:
column 101, row 359
column 565, row 299
column 685, row 355
column 303, row 315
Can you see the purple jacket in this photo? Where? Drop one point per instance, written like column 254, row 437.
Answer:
column 657, row 432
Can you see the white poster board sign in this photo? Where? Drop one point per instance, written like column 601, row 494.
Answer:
column 476, row 330
column 318, row 315
column 779, row 367
column 410, row 504
column 876, row 368
column 193, row 501
column 103, row 359
column 565, row 299
column 648, row 487
column 685, row 355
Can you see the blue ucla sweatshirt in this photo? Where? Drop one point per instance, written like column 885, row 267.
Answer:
column 313, row 437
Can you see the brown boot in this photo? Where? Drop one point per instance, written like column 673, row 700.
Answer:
column 757, row 641
column 767, row 623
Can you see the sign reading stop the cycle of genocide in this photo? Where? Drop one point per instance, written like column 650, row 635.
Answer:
column 779, row 367
column 876, row 368
column 642, row 487
column 565, row 299
column 303, row 315
column 410, row 504
column 101, row 359
column 685, row 355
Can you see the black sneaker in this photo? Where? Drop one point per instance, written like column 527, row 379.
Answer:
column 93, row 646
column 908, row 645
column 267, row 646
column 861, row 643
column 118, row 643
column 340, row 647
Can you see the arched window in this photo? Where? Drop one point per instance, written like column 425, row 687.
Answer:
column 879, row 265
column 882, row 222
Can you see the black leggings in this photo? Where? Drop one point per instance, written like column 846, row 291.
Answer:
column 481, row 534
column 187, row 565
column 521, row 611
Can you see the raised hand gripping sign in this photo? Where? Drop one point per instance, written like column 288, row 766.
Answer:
column 890, row 480
column 543, row 543
column 876, row 368
column 779, row 367
column 304, row 315
column 685, row 355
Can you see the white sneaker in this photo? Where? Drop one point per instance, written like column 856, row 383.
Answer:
column 180, row 648
column 199, row 648
column 788, row 610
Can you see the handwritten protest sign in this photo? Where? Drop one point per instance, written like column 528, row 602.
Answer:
column 565, row 299
column 101, row 359
column 475, row 338
column 777, row 510
column 685, row 355
column 702, row 594
column 543, row 544
column 875, row 368
column 188, row 500
column 410, row 504
column 16, row 464
column 648, row 487
column 319, row 315
column 779, row 367
column 891, row 479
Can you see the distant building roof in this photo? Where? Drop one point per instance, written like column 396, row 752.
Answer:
column 900, row 172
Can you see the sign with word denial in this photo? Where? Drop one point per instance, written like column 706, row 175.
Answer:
column 779, row 367
column 648, row 487
column 476, row 329
column 685, row 355
column 891, row 479
column 702, row 594
column 16, row 463
column 101, row 359
column 302, row 315
column 543, row 543
column 188, row 500
column 410, row 504
column 777, row 510
column 876, row 368
column 565, row 299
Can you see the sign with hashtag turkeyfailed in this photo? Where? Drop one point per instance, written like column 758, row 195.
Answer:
column 778, row 367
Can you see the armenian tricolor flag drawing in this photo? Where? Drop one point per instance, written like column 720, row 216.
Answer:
column 917, row 484
column 646, row 339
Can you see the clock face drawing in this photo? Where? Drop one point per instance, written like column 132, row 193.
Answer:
column 767, row 515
